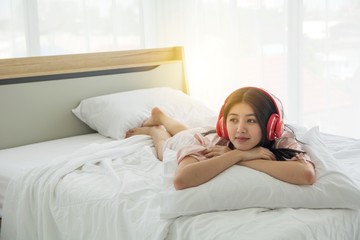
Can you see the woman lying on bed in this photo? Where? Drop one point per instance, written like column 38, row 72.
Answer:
column 250, row 132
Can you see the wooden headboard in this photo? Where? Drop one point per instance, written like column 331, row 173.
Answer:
column 37, row 94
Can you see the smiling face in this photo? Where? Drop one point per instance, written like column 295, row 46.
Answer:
column 243, row 127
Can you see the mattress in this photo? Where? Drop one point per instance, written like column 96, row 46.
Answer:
column 112, row 190
column 19, row 160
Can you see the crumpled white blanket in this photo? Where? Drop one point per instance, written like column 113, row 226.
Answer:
column 103, row 191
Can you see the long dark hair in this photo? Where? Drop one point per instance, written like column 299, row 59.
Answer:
column 263, row 108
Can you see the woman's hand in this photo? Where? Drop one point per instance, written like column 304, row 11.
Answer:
column 215, row 151
column 257, row 153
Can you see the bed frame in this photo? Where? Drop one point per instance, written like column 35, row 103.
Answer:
column 38, row 93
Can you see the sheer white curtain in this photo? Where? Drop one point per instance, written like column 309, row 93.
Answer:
column 51, row 27
column 306, row 52
column 331, row 66
column 229, row 44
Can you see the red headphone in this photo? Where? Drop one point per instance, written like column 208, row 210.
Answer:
column 275, row 124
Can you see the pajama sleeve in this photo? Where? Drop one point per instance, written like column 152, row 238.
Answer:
column 192, row 143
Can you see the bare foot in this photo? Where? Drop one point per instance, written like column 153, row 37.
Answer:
column 138, row 131
column 144, row 131
column 155, row 118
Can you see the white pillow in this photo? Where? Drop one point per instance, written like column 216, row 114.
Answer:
column 240, row 187
column 114, row 114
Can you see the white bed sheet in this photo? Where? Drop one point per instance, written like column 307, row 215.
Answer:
column 18, row 160
column 267, row 224
column 111, row 191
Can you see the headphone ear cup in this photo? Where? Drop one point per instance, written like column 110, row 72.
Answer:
column 221, row 128
column 275, row 127
column 279, row 128
column 271, row 126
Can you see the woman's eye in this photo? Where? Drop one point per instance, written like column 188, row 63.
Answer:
column 233, row 120
column 252, row 121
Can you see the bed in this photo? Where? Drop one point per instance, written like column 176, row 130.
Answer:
column 67, row 172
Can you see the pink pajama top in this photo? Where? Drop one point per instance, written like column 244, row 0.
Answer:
column 192, row 143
